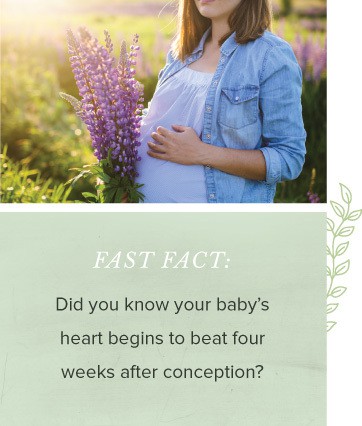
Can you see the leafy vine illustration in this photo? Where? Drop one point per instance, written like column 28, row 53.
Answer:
column 339, row 229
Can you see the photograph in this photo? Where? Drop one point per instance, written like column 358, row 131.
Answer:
column 155, row 101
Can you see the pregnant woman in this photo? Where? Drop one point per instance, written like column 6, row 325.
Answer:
column 225, row 123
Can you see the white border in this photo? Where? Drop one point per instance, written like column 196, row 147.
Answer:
column 162, row 208
column 344, row 165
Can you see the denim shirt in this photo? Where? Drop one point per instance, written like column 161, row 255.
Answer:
column 254, row 102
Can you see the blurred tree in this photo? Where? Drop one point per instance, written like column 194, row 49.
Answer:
column 286, row 7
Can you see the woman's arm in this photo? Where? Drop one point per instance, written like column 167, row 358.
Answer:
column 249, row 164
column 282, row 125
column 185, row 147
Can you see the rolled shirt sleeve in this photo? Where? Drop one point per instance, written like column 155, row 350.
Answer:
column 283, row 131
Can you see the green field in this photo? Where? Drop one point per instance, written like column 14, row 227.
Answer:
column 41, row 131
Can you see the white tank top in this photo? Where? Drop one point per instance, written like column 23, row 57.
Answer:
column 179, row 100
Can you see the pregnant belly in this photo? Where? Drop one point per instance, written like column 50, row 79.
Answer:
column 166, row 182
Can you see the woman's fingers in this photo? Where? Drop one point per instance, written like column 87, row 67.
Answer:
column 158, row 138
column 156, row 154
column 156, row 147
column 163, row 132
column 179, row 128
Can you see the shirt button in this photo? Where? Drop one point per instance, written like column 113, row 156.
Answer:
column 222, row 60
column 215, row 83
column 209, row 109
column 212, row 196
column 208, row 167
column 208, row 136
column 237, row 98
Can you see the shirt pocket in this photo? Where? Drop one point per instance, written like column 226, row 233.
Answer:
column 238, row 106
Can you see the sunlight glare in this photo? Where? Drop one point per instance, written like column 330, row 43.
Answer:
column 32, row 7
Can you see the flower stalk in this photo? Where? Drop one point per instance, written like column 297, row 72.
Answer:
column 111, row 107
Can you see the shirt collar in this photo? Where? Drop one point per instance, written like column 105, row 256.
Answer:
column 200, row 46
column 227, row 47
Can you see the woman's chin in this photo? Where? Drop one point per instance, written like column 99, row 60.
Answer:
column 210, row 12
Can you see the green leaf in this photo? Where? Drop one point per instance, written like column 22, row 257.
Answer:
column 74, row 180
column 355, row 215
column 330, row 225
column 329, row 272
column 77, row 169
column 114, row 183
column 104, row 177
column 330, row 325
column 76, row 104
column 346, row 232
column 119, row 195
column 90, row 197
column 109, row 194
column 338, row 291
column 342, row 248
column 95, row 168
column 67, row 193
column 346, row 194
column 100, row 187
column 109, row 156
column 338, row 209
column 342, row 268
column 331, row 307
column 329, row 253
column 88, row 166
column 101, row 197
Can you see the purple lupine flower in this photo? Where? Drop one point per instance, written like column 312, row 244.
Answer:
column 313, row 198
column 311, row 56
column 143, row 67
column 319, row 61
column 111, row 99
column 313, row 25
column 313, row 11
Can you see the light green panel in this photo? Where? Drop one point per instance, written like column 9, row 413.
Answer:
column 277, row 257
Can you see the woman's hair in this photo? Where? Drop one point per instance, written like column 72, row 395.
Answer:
column 249, row 19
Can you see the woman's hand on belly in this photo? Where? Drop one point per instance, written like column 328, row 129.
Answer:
column 182, row 146
column 185, row 147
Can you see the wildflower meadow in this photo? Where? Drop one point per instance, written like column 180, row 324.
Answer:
column 44, row 142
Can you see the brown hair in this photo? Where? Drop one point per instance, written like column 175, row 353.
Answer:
column 249, row 19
